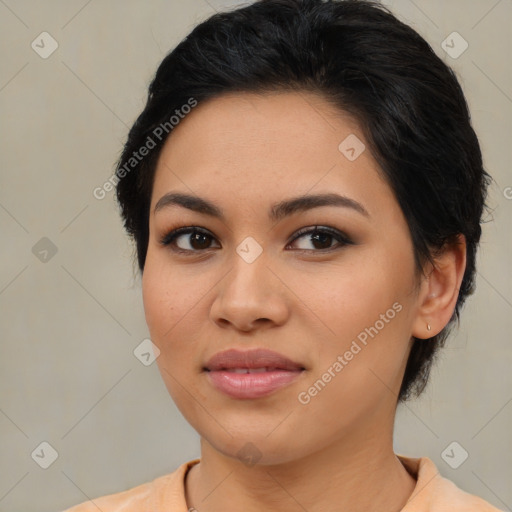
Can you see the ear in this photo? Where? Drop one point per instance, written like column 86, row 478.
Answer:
column 439, row 289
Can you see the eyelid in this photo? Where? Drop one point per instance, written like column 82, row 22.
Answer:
column 335, row 233
column 170, row 235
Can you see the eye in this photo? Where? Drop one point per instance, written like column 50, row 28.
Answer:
column 188, row 239
column 192, row 239
column 321, row 239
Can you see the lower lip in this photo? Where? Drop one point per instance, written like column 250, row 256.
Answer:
column 251, row 385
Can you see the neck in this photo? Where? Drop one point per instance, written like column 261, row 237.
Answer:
column 357, row 473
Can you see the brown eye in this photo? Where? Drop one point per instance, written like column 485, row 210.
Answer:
column 189, row 239
column 321, row 239
column 199, row 241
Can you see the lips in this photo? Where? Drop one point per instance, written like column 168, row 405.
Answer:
column 253, row 361
column 251, row 374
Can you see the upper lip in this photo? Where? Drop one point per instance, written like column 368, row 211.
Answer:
column 255, row 358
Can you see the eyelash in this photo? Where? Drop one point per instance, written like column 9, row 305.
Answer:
column 169, row 238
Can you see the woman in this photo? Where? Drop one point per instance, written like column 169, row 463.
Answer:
column 305, row 190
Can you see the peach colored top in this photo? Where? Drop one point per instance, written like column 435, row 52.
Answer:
column 432, row 493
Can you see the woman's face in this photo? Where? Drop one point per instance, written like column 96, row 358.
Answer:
column 340, row 303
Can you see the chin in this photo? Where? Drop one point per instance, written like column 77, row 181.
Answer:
column 252, row 447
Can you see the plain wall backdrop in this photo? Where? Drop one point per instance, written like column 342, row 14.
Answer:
column 70, row 302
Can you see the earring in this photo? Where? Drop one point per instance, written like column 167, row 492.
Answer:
column 428, row 327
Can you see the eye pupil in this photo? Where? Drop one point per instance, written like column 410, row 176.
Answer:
column 202, row 240
column 323, row 238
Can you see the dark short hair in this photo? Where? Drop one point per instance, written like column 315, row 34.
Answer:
column 364, row 61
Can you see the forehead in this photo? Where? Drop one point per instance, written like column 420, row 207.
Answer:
column 260, row 146
column 281, row 119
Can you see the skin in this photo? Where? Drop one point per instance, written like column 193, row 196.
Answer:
column 244, row 152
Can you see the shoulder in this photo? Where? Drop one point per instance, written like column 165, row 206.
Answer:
column 434, row 493
column 165, row 491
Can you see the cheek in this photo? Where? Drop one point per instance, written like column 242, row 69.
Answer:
column 159, row 310
column 170, row 303
column 352, row 297
column 359, row 371
column 168, row 296
column 366, row 305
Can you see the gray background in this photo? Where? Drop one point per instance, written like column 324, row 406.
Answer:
column 70, row 324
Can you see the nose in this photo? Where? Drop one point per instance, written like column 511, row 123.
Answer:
column 250, row 297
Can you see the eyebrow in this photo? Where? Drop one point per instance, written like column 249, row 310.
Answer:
column 277, row 212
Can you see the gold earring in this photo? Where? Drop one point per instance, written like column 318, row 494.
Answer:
column 428, row 327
